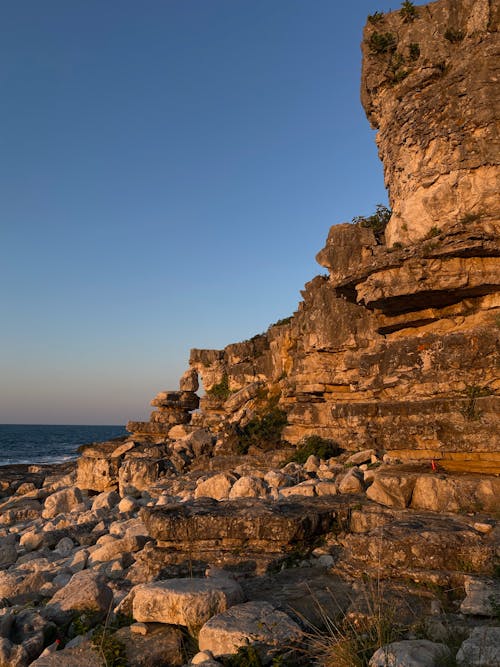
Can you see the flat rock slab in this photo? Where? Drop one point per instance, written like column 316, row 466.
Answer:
column 420, row 541
column 247, row 521
column 187, row 602
column 258, row 624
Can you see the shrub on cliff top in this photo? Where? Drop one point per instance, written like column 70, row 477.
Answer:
column 377, row 222
column 408, row 11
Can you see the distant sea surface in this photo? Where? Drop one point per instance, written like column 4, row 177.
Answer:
column 30, row 443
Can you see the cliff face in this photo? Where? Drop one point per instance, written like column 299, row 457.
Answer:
column 430, row 86
column 397, row 348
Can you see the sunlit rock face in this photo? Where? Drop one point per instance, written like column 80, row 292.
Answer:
column 397, row 347
column 430, row 86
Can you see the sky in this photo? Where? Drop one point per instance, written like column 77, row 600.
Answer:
column 168, row 171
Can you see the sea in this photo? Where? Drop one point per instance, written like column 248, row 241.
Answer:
column 32, row 443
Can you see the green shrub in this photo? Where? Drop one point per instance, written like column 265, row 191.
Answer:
column 376, row 17
column 109, row 647
column 454, row 36
column 247, row 656
column 414, row 50
column 220, row 390
column 433, row 232
column 408, row 11
column 382, row 42
column 470, row 217
column 262, row 431
column 377, row 222
column 284, row 320
column 317, row 446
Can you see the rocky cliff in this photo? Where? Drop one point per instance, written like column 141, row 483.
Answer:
column 396, row 347
column 381, row 533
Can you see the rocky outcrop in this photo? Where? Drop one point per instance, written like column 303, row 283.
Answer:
column 429, row 85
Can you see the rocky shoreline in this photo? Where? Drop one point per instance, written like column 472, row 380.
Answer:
column 246, row 555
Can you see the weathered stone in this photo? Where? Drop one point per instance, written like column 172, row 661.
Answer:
column 85, row 591
column 352, row 482
column 217, row 487
column 481, row 649
column 392, row 490
column 97, row 474
column 248, row 487
column 482, row 596
column 360, row 457
column 161, row 645
column 105, row 501
column 440, row 161
column 61, row 502
column 187, row 602
column 189, row 381
column 253, row 623
column 410, row 653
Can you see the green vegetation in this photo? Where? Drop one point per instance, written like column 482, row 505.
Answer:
column 396, row 69
column 247, row 656
column 220, row 390
column 377, row 222
column 110, row 648
column 408, row 11
column 376, row 17
column 285, row 320
column 317, row 446
column 432, row 233
column 414, row 50
column 454, row 36
column 473, row 392
column 382, row 42
column 264, row 430
column 351, row 643
column 470, row 217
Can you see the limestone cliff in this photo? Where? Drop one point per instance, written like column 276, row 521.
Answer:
column 430, row 86
column 397, row 348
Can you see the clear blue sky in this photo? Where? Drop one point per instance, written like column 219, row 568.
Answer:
column 168, row 171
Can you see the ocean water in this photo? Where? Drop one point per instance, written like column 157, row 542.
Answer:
column 30, row 443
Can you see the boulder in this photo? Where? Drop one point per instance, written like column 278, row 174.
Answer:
column 65, row 546
column 410, row 653
column 106, row 500
column 248, row 487
column 186, row 602
column 61, row 502
column 481, row 649
column 391, row 490
column 361, row 457
column 352, row 482
column 189, row 381
column 160, row 645
column 253, row 623
column 277, row 479
column 86, row 591
column 307, row 489
column 217, row 487
column 482, row 596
